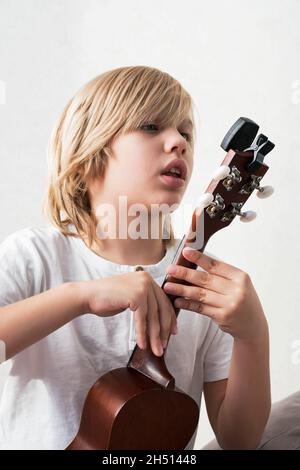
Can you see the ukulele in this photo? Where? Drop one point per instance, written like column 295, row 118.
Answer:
column 139, row 407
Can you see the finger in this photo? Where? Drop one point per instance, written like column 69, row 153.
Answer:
column 210, row 264
column 163, row 315
column 154, row 326
column 207, row 310
column 168, row 319
column 174, row 328
column 198, row 294
column 140, row 317
column 200, row 278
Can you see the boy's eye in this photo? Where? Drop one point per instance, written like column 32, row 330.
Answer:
column 188, row 137
column 149, row 125
column 154, row 125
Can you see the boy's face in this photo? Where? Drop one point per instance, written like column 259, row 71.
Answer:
column 139, row 157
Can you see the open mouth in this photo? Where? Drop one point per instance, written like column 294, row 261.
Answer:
column 174, row 173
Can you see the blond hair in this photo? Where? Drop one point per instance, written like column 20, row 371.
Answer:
column 113, row 103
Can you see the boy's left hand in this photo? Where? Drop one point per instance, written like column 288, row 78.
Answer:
column 223, row 293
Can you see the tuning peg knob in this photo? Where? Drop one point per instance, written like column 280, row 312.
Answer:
column 248, row 216
column 205, row 200
column 264, row 192
column 222, row 172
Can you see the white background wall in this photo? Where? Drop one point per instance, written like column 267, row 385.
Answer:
column 236, row 58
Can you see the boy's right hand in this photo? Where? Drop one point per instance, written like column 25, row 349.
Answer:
column 153, row 310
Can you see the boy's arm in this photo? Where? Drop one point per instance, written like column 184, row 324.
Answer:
column 238, row 407
column 27, row 321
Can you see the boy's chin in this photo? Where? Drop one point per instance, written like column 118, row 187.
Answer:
column 170, row 199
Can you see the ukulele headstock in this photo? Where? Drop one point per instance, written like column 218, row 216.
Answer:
column 239, row 175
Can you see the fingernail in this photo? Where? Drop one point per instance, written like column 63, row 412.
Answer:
column 164, row 343
column 189, row 249
column 171, row 269
column 160, row 350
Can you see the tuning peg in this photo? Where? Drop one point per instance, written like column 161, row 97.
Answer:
column 264, row 192
column 222, row 172
column 205, row 200
column 247, row 216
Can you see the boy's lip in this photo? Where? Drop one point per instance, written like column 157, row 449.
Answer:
column 173, row 181
column 176, row 163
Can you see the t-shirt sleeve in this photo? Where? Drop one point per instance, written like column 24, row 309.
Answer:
column 20, row 268
column 218, row 356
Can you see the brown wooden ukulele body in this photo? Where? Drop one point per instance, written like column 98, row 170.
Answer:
column 126, row 410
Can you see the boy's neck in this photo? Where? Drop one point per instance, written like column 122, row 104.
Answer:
column 130, row 252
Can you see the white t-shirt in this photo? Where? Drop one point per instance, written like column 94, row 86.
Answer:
column 44, row 394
